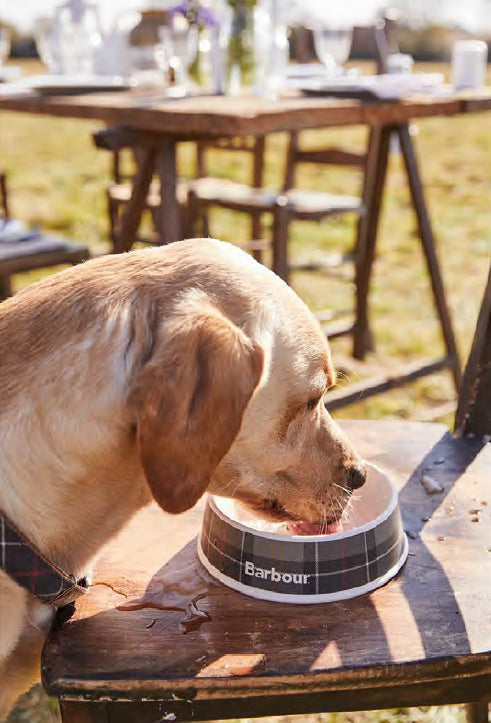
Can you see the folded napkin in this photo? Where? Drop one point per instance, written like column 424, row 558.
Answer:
column 13, row 231
column 37, row 245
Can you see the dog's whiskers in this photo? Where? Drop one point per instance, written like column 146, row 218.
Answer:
column 324, row 523
column 225, row 487
column 344, row 489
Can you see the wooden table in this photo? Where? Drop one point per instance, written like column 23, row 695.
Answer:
column 423, row 639
column 158, row 124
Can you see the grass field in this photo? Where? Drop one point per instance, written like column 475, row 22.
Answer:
column 57, row 179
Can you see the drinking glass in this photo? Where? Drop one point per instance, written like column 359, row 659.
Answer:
column 333, row 45
column 79, row 35
column 4, row 44
column 47, row 45
column 179, row 39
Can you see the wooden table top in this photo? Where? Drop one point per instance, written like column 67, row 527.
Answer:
column 211, row 116
column 431, row 623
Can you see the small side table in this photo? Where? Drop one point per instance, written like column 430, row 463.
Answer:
column 422, row 639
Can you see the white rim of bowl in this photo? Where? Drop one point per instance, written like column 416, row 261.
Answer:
column 282, row 597
column 317, row 538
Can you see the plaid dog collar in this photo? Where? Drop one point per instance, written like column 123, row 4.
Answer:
column 32, row 571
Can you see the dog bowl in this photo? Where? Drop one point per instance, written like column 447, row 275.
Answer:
column 369, row 551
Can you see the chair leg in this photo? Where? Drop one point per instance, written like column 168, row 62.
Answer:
column 4, row 195
column 129, row 219
column 477, row 712
column 5, row 287
column 192, row 227
column 165, row 166
column 205, row 222
column 113, row 216
column 281, row 222
column 256, row 235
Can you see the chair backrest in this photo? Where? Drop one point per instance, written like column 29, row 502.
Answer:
column 474, row 408
column 119, row 141
column 331, row 155
column 249, row 146
column 253, row 149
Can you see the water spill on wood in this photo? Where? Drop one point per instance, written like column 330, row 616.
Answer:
column 194, row 617
column 178, row 586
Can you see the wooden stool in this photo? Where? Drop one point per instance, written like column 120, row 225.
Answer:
column 40, row 252
column 33, row 250
column 422, row 639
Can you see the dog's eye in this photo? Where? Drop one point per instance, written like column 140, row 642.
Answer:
column 312, row 403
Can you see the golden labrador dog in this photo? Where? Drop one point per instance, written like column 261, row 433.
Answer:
column 156, row 374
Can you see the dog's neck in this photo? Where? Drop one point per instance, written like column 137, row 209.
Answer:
column 68, row 483
column 70, row 522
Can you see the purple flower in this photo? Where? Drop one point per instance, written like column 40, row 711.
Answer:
column 195, row 14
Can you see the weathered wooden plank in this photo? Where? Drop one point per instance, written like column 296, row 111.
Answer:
column 395, row 637
column 212, row 116
column 453, row 691
column 82, row 713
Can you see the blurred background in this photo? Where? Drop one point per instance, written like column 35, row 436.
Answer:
column 57, row 180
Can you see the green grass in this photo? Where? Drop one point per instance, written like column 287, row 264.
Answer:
column 57, row 179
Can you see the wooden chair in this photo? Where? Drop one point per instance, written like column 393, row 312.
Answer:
column 284, row 205
column 249, row 197
column 127, row 165
column 256, row 200
column 33, row 250
column 422, row 639
column 120, row 141
column 289, row 202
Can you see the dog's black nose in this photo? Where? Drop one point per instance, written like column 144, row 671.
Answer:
column 357, row 477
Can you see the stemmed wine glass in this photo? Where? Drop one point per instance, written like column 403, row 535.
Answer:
column 333, row 46
column 180, row 40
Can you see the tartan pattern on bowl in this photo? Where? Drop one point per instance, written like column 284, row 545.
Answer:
column 299, row 569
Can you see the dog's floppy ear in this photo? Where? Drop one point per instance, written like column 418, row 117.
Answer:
column 188, row 399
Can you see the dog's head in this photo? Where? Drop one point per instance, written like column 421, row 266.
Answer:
column 232, row 401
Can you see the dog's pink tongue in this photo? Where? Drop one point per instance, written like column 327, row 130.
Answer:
column 314, row 528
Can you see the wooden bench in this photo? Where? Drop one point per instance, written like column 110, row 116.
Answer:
column 192, row 649
column 34, row 251
column 42, row 252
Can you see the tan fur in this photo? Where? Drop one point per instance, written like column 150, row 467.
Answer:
column 155, row 373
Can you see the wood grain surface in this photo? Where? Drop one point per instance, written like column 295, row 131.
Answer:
column 212, row 116
column 423, row 638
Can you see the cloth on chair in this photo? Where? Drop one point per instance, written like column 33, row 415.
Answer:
column 16, row 241
column 38, row 244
